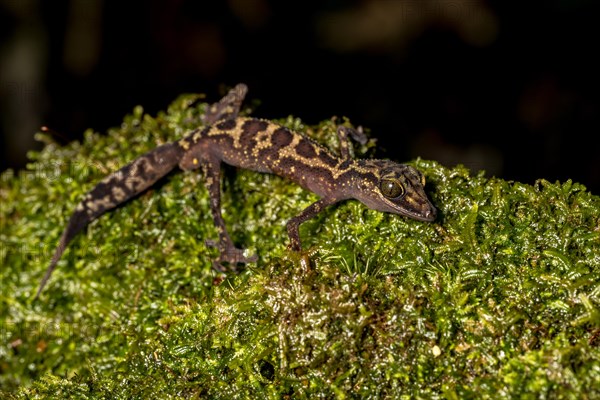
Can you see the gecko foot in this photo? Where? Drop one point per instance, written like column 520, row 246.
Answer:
column 303, row 256
column 230, row 257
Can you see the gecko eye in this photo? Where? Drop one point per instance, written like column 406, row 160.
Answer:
column 391, row 188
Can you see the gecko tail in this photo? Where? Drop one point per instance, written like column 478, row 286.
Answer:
column 114, row 190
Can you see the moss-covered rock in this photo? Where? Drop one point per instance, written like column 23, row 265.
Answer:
column 499, row 298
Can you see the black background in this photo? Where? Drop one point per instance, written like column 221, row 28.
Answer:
column 506, row 87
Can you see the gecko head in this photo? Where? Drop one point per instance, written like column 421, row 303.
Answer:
column 395, row 188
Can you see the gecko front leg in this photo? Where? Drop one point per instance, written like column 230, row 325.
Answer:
column 230, row 256
column 293, row 225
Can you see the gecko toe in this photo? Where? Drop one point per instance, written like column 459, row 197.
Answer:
column 230, row 258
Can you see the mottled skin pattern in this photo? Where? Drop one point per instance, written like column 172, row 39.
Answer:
column 263, row 146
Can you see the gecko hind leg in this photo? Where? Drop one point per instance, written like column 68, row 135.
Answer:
column 344, row 141
column 230, row 256
column 228, row 107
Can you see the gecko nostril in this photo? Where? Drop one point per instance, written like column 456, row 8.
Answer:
column 432, row 213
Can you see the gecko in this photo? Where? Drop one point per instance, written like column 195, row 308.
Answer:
column 263, row 146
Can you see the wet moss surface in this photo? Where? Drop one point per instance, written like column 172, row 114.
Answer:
column 499, row 298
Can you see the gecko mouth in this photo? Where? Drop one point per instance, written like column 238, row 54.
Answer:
column 427, row 214
column 415, row 208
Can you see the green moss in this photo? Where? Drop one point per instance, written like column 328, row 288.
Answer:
column 499, row 298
